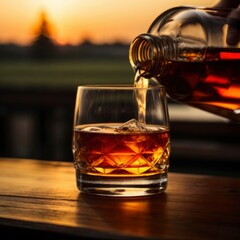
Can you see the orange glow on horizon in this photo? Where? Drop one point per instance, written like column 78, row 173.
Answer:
column 73, row 21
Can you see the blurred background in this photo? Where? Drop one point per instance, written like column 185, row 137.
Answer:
column 49, row 47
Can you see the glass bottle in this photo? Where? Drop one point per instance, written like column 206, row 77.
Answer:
column 186, row 49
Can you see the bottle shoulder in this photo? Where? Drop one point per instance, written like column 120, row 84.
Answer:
column 165, row 16
column 185, row 15
column 205, row 26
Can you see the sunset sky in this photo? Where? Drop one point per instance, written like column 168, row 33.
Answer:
column 72, row 21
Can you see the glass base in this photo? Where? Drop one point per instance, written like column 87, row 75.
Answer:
column 121, row 186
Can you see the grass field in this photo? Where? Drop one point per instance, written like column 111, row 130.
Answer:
column 65, row 74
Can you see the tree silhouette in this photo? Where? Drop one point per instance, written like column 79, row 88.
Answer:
column 43, row 46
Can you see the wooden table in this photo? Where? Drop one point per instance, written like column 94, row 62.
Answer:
column 41, row 197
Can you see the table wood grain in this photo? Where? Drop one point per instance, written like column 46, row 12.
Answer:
column 42, row 195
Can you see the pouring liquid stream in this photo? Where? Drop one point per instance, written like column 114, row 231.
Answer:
column 141, row 84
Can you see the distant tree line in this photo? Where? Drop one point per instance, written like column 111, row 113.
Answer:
column 84, row 50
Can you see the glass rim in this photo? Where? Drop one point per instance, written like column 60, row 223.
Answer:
column 118, row 87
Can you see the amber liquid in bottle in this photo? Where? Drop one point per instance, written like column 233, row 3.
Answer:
column 212, row 85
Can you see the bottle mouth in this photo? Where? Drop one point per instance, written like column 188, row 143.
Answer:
column 146, row 55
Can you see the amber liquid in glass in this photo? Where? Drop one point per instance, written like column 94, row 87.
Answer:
column 102, row 151
column 212, row 85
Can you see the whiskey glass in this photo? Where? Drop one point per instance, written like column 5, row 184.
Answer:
column 120, row 146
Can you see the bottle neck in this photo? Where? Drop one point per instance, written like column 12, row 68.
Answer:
column 150, row 55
